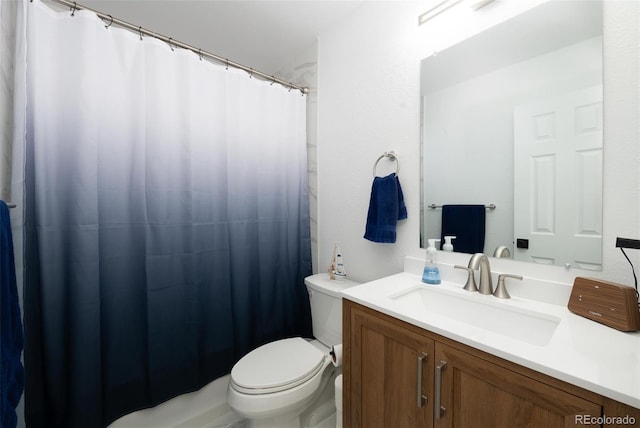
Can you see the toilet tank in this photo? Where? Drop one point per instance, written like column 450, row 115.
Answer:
column 326, row 306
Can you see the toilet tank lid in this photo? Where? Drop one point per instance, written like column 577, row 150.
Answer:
column 323, row 284
column 278, row 364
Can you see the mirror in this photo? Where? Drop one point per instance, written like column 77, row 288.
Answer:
column 513, row 117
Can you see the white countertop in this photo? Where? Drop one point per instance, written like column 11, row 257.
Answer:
column 581, row 352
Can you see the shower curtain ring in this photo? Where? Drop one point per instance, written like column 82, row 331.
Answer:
column 227, row 64
column 250, row 73
column 170, row 45
column 73, row 9
column 110, row 22
column 140, row 32
column 273, row 80
column 200, row 54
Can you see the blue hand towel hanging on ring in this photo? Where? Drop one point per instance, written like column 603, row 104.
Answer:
column 386, row 207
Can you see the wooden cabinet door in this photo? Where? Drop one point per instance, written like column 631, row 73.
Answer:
column 477, row 393
column 620, row 415
column 387, row 365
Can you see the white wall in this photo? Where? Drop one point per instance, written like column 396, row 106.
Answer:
column 621, row 134
column 8, row 13
column 302, row 70
column 368, row 102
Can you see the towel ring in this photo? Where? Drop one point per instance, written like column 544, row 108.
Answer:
column 392, row 156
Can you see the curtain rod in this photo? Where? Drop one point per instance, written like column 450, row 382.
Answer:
column 110, row 20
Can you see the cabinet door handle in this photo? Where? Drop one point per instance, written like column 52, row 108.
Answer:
column 438, row 408
column 421, row 399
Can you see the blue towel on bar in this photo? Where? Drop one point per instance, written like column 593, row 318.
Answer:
column 11, row 341
column 386, row 207
column 466, row 223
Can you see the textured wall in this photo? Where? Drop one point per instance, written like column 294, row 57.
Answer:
column 302, row 70
column 368, row 102
column 8, row 11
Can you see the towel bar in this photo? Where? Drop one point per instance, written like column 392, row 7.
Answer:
column 489, row 207
column 392, row 156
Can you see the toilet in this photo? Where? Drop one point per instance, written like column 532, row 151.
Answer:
column 289, row 383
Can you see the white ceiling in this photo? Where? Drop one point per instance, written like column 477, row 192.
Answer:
column 261, row 34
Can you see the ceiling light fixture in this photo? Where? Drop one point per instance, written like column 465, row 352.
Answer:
column 448, row 4
column 480, row 4
column 437, row 10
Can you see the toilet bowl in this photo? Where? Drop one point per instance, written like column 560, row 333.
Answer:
column 281, row 391
column 275, row 383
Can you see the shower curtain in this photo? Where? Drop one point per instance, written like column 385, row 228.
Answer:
column 166, row 219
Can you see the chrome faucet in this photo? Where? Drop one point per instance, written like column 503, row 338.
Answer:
column 481, row 261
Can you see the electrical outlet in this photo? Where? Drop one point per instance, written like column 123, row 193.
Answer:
column 628, row 243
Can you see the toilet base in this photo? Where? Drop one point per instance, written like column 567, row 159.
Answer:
column 285, row 421
column 321, row 414
column 317, row 409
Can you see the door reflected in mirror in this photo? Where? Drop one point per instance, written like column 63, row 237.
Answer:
column 513, row 117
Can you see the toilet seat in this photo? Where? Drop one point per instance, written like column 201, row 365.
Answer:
column 277, row 366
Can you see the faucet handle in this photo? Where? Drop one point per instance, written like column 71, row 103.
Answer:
column 501, row 290
column 471, row 279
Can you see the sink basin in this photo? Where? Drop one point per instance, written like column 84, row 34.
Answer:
column 483, row 312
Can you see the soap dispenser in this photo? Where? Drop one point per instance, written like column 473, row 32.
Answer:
column 448, row 246
column 431, row 273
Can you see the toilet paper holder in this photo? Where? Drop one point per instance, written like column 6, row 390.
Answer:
column 336, row 355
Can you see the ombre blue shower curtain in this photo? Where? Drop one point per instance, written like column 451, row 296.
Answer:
column 166, row 219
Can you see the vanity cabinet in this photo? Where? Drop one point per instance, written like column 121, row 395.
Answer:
column 390, row 373
column 620, row 415
column 387, row 361
column 478, row 392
